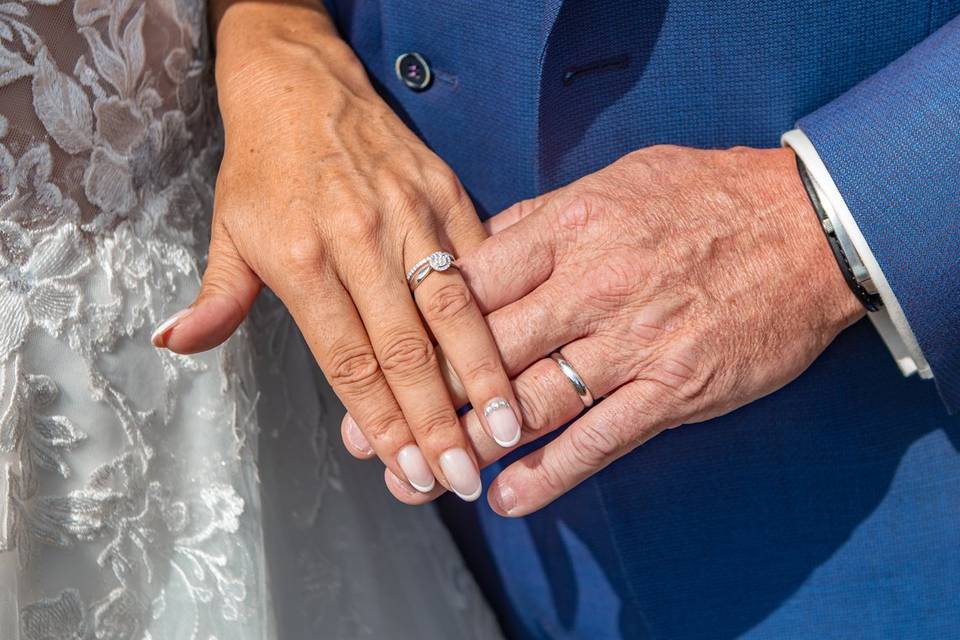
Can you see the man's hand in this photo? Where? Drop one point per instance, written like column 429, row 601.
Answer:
column 679, row 283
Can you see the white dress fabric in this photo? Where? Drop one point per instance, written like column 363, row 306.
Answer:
column 145, row 494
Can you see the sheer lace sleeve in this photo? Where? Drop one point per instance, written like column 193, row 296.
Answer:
column 130, row 503
column 128, row 473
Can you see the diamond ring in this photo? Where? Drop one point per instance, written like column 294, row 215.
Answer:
column 436, row 261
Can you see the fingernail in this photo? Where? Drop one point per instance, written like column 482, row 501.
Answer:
column 401, row 484
column 503, row 422
column 162, row 332
column 461, row 473
column 504, row 497
column 355, row 436
column 416, row 469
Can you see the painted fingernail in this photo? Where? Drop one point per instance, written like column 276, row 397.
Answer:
column 162, row 332
column 462, row 474
column 503, row 422
column 504, row 498
column 400, row 483
column 355, row 436
column 416, row 469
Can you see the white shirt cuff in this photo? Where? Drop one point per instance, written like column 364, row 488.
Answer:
column 890, row 320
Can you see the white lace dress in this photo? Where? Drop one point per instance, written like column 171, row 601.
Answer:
column 145, row 494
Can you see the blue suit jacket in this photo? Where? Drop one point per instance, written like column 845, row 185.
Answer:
column 830, row 509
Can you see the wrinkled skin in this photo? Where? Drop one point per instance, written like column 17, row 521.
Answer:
column 326, row 197
column 680, row 283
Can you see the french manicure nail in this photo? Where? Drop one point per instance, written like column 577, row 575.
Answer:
column 356, row 437
column 162, row 332
column 503, row 422
column 400, row 484
column 504, row 497
column 416, row 469
column 461, row 473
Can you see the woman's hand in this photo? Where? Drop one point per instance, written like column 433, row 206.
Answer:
column 679, row 283
column 327, row 198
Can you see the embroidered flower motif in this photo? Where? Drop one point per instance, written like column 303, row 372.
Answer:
column 41, row 290
column 28, row 197
column 104, row 191
column 121, row 616
column 60, row 618
column 17, row 35
column 109, row 184
column 225, row 507
column 120, row 122
column 140, row 269
column 61, row 105
column 24, row 423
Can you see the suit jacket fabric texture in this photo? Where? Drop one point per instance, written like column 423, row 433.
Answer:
column 828, row 509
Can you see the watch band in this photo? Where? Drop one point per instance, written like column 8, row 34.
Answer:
column 869, row 299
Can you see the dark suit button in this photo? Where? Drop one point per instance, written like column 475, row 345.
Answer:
column 413, row 71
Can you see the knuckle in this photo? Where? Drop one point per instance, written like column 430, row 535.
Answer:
column 445, row 178
column 362, row 226
column 221, row 275
column 480, row 369
column 532, row 396
column 577, row 213
column 385, row 428
column 586, row 208
column 407, row 202
column 681, row 376
column 650, row 324
column 451, row 301
column 592, row 446
column 613, row 285
column 436, row 425
column 446, row 185
column 400, row 193
column 407, row 354
column 301, row 255
column 353, row 369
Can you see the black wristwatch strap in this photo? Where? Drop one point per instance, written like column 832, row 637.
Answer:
column 871, row 301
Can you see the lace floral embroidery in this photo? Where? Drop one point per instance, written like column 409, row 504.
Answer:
column 106, row 176
column 39, row 287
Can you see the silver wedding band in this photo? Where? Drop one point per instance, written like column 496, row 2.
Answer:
column 436, row 261
column 578, row 384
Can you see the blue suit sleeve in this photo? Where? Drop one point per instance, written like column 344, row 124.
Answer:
column 892, row 146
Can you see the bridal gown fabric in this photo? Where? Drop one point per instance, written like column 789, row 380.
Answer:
column 147, row 494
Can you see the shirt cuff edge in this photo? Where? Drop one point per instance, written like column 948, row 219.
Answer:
column 890, row 321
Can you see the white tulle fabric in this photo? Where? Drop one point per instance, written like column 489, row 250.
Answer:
column 145, row 494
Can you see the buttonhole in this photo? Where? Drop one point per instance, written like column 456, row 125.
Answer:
column 570, row 74
column 446, row 77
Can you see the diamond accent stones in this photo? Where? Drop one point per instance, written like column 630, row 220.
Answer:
column 440, row 260
column 495, row 405
column 436, row 261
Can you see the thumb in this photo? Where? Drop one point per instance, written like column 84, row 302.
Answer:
column 226, row 294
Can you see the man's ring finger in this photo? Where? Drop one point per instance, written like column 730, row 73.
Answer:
column 578, row 384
